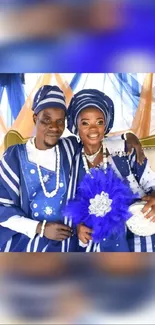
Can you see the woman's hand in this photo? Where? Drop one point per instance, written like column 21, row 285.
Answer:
column 84, row 233
column 133, row 142
column 150, row 204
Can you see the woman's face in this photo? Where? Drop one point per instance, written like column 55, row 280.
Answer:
column 91, row 126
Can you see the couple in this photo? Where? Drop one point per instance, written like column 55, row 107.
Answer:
column 38, row 178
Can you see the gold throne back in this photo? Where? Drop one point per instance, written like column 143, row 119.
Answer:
column 13, row 137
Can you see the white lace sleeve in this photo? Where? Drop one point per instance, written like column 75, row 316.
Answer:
column 115, row 145
column 147, row 180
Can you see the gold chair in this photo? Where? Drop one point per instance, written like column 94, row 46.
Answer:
column 13, row 137
column 148, row 142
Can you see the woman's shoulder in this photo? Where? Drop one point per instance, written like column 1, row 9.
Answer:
column 115, row 146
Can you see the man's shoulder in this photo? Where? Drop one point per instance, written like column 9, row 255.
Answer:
column 71, row 140
column 12, row 151
column 70, row 145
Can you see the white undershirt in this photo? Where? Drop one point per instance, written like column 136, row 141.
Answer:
column 46, row 158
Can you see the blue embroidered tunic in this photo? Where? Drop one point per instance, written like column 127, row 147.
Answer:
column 22, row 196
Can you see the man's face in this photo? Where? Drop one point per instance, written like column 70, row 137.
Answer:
column 50, row 125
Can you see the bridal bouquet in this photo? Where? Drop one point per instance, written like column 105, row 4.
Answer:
column 102, row 203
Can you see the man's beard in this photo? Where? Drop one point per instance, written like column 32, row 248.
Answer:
column 48, row 145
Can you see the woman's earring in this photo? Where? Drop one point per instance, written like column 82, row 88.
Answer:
column 78, row 138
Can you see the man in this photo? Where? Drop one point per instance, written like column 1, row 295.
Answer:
column 35, row 182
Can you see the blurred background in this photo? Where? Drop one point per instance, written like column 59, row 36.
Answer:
column 108, row 36
column 81, row 35
column 116, row 288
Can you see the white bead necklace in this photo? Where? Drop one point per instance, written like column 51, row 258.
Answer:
column 54, row 192
column 105, row 161
column 91, row 158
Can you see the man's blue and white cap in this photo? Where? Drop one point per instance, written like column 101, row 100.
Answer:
column 48, row 97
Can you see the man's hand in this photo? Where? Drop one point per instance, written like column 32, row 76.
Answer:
column 55, row 231
column 84, row 233
column 150, row 204
column 133, row 142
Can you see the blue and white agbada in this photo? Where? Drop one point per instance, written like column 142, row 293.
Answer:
column 21, row 196
column 23, row 203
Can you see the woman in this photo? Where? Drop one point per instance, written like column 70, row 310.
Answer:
column 91, row 116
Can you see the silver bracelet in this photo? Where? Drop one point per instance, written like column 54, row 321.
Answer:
column 43, row 228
